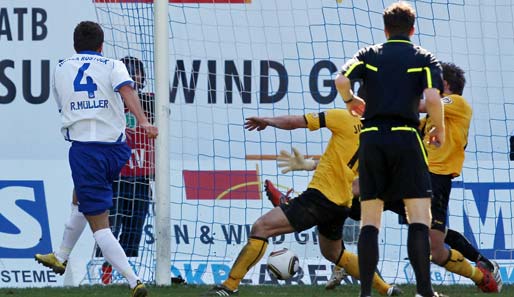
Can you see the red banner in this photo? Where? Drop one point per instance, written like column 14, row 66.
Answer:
column 222, row 184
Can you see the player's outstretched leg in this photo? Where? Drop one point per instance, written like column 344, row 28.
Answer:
column 72, row 230
column 458, row 242
column 251, row 253
column 274, row 195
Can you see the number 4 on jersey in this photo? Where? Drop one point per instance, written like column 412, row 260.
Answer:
column 89, row 87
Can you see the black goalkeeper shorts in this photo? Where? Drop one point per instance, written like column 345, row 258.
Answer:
column 441, row 187
column 311, row 209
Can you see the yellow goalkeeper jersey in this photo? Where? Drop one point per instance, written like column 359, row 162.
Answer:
column 337, row 167
column 449, row 158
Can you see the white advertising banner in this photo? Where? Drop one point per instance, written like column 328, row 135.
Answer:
column 265, row 57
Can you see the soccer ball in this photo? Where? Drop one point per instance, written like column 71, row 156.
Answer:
column 283, row 264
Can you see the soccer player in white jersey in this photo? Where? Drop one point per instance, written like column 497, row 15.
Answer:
column 87, row 88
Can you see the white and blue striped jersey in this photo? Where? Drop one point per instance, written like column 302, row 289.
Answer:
column 86, row 90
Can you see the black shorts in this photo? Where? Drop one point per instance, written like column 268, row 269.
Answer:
column 311, row 209
column 441, row 187
column 392, row 164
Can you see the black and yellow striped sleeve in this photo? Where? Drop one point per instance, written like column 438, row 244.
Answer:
column 315, row 120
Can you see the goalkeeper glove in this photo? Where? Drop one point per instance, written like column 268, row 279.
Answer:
column 294, row 162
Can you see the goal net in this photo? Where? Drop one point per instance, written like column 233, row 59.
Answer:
column 230, row 59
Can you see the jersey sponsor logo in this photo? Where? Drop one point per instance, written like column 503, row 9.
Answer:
column 221, row 184
column 131, row 120
column 447, row 100
column 24, row 228
column 484, row 216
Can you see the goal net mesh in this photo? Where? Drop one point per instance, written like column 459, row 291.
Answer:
column 234, row 59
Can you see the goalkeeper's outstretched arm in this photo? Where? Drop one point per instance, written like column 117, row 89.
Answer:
column 286, row 122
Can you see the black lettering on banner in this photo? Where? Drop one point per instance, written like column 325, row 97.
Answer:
column 39, row 276
column 6, row 81
column 5, row 26
column 20, row 12
column 263, row 271
column 231, row 234
column 27, row 82
column 25, row 276
column 313, row 82
column 314, row 237
column 204, row 237
column 5, row 276
column 283, row 82
column 51, row 277
column 15, row 272
column 278, row 239
column 181, row 233
column 189, row 89
column 245, row 87
column 39, row 17
column 315, row 279
column 301, row 238
column 149, row 237
column 211, row 81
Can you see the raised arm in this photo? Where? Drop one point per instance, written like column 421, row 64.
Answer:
column 354, row 103
column 133, row 104
column 286, row 122
column 434, row 108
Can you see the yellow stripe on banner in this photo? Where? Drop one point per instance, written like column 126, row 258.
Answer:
column 371, row 67
column 238, row 186
column 369, row 129
column 429, row 77
column 352, row 67
column 410, row 70
column 417, row 136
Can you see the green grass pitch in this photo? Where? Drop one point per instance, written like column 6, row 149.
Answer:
column 245, row 291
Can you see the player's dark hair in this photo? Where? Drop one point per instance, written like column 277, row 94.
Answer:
column 399, row 18
column 88, row 36
column 454, row 76
column 135, row 66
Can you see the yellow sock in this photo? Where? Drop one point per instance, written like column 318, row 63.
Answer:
column 350, row 263
column 457, row 264
column 251, row 253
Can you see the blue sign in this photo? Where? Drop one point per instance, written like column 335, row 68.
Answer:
column 24, row 229
column 481, row 194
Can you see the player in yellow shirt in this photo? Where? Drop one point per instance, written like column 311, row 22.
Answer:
column 445, row 164
column 324, row 204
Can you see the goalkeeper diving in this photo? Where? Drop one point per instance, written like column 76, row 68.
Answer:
column 326, row 202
